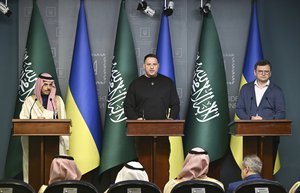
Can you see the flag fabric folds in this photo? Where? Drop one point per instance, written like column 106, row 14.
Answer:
column 37, row 59
column 82, row 102
column 208, row 112
column 253, row 54
column 117, row 147
column 166, row 67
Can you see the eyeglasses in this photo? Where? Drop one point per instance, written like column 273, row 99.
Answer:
column 267, row 72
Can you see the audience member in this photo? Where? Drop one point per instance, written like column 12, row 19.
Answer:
column 195, row 167
column 62, row 168
column 251, row 169
column 132, row 170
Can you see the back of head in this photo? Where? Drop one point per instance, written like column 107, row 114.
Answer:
column 132, row 171
column 196, row 165
column 253, row 163
column 64, row 168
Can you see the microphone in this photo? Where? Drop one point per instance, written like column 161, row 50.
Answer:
column 32, row 107
column 251, row 106
column 54, row 113
column 168, row 113
column 273, row 110
column 143, row 108
column 270, row 103
column 143, row 114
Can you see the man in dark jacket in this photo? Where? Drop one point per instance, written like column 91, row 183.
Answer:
column 251, row 169
column 261, row 99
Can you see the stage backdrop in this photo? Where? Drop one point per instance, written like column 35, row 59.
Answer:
column 279, row 28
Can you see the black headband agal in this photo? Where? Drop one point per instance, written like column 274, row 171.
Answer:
column 133, row 168
column 198, row 152
column 65, row 157
column 44, row 77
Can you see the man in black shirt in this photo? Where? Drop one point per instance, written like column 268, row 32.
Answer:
column 152, row 95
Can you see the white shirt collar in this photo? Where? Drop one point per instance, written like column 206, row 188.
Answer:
column 268, row 83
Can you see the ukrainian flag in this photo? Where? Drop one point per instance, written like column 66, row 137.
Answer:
column 166, row 67
column 82, row 102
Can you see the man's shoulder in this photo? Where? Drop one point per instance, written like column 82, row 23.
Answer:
column 234, row 185
column 248, row 87
column 274, row 86
column 138, row 79
column 58, row 97
column 248, row 84
column 164, row 78
column 31, row 98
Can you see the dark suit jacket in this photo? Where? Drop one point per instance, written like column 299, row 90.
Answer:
column 272, row 105
column 234, row 185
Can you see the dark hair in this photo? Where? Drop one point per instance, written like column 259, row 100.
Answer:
column 263, row 63
column 197, row 152
column 150, row 56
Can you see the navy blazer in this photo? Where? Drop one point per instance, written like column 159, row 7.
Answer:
column 272, row 105
column 234, row 185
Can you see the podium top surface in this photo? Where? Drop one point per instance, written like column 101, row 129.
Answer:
column 155, row 127
column 41, row 127
column 276, row 127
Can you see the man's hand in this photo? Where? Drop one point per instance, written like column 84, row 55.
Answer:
column 256, row 117
column 140, row 118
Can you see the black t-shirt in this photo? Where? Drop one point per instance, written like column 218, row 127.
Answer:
column 151, row 98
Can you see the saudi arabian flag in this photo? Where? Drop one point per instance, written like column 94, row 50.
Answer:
column 208, row 112
column 37, row 59
column 117, row 148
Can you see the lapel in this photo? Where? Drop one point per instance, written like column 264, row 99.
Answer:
column 253, row 94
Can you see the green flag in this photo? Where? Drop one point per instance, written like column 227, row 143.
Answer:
column 37, row 59
column 208, row 112
column 117, row 148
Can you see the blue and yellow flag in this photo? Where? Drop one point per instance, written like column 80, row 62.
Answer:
column 253, row 55
column 166, row 67
column 82, row 102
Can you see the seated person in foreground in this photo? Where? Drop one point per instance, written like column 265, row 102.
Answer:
column 132, row 170
column 251, row 169
column 195, row 167
column 62, row 168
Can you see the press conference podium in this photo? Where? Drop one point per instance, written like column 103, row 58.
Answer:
column 152, row 144
column 43, row 145
column 258, row 139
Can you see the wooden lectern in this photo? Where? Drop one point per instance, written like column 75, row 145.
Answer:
column 43, row 145
column 258, row 139
column 152, row 144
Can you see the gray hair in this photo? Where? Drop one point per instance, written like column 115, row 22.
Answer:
column 253, row 162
